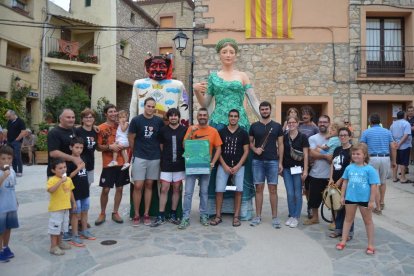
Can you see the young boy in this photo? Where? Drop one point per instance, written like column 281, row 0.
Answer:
column 79, row 178
column 8, row 202
column 333, row 142
column 60, row 188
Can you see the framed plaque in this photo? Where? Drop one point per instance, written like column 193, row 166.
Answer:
column 197, row 156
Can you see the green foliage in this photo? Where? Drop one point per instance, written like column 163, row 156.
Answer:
column 41, row 142
column 100, row 118
column 72, row 96
column 6, row 105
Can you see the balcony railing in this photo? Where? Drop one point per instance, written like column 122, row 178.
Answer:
column 384, row 61
column 71, row 50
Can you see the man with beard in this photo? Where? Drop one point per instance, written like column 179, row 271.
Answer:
column 202, row 131
column 166, row 92
column 266, row 141
column 234, row 152
column 144, row 141
column 320, row 171
column 172, row 165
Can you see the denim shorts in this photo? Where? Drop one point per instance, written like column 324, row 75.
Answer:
column 222, row 177
column 82, row 205
column 265, row 170
column 8, row 220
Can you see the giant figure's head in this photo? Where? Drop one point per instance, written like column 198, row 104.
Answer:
column 158, row 67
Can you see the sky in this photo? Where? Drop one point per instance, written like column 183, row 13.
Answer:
column 62, row 3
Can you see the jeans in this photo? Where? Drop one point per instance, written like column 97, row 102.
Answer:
column 17, row 156
column 293, row 184
column 339, row 222
column 203, row 180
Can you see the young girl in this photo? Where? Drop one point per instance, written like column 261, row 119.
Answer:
column 358, row 190
column 60, row 189
column 121, row 139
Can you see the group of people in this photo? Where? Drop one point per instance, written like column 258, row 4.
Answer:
column 242, row 158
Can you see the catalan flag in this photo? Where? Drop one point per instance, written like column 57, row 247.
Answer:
column 268, row 18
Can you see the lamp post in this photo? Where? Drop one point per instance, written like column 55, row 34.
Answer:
column 180, row 42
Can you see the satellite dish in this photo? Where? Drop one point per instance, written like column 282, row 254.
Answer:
column 26, row 63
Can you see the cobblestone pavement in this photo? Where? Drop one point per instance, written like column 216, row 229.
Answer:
column 220, row 250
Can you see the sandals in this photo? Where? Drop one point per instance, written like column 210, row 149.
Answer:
column 340, row 246
column 216, row 221
column 370, row 251
column 334, row 235
column 236, row 222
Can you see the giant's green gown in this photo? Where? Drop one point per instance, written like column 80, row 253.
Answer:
column 230, row 95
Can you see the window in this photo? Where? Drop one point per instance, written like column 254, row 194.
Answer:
column 385, row 46
column 88, row 3
column 167, row 22
column 18, row 57
column 21, row 6
column 132, row 18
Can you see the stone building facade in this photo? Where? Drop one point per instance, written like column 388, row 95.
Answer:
column 319, row 66
column 177, row 14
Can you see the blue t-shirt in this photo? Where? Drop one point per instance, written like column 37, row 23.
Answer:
column 147, row 142
column 378, row 139
column 8, row 200
column 360, row 179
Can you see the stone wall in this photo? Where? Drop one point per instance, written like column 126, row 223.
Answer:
column 183, row 19
column 132, row 68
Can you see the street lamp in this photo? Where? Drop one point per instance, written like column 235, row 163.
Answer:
column 180, row 41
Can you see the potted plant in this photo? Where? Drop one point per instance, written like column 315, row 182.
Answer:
column 41, row 154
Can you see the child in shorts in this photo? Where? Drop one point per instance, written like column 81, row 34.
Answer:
column 8, row 202
column 122, row 140
column 60, row 189
column 79, row 178
column 333, row 141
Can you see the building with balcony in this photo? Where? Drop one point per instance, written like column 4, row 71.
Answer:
column 20, row 52
column 345, row 58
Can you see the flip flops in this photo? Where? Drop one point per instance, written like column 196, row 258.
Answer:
column 370, row 251
column 340, row 246
column 408, row 181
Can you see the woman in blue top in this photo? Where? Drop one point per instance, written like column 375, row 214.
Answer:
column 359, row 189
column 229, row 88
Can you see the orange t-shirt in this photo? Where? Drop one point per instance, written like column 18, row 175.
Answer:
column 106, row 136
column 209, row 133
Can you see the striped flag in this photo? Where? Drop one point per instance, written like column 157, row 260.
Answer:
column 268, row 18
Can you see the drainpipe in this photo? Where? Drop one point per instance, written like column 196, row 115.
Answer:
column 42, row 56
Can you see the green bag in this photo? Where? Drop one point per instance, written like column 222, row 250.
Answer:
column 197, row 156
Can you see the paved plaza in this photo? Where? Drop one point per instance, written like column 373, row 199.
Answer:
column 213, row 250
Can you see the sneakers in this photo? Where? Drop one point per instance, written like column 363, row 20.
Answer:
column 173, row 219
column 56, row 251
column 3, row 258
column 157, row 222
column 76, row 241
column 184, row 224
column 256, row 221
column 204, row 220
column 64, row 246
column 87, row 235
column 289, row 221
column 125, row 166
column 67, row 236
column 101, row 219
column 147, row 220
column 117, row 218
column 135, row 221
column 294, row 223
column 276, row 223
column 113, row 163
column 7, row 253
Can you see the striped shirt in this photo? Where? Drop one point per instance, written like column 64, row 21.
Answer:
column 378, row 140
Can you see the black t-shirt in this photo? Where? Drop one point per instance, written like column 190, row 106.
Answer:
column 59, row 138
column 411, row 121
column 340, row 160
column 267, row 135
column 172, row 159
column 80, row 181
column 232, row 147
column 300, row 142
column 14, row 128
column 89, row 146
column 147, row 144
